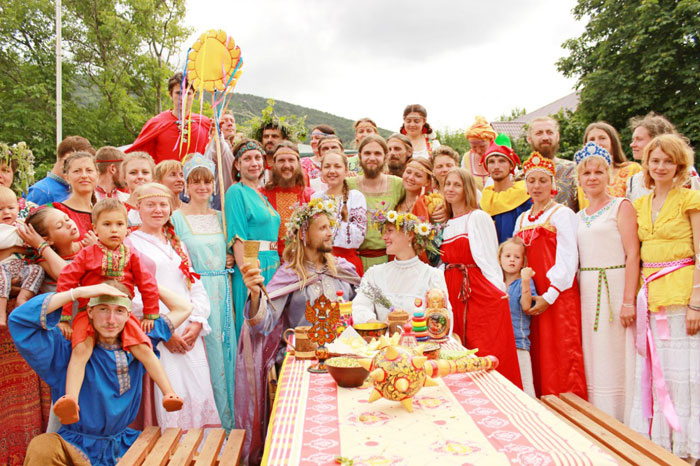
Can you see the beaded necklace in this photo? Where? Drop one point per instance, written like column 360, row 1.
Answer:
column 532, row 218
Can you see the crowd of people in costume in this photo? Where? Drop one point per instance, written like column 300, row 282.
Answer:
column 579, row 276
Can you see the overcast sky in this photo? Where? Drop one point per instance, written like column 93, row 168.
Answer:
column 356, row 58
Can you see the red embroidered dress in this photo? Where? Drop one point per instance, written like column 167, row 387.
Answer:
column 94, row 265
column 556, row 352
column 480, row 308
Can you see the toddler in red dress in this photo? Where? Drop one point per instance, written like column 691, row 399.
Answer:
column 109, row 259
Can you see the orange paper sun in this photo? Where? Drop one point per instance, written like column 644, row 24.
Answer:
column 212, row 60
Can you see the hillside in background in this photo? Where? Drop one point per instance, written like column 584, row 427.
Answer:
column 245, row 106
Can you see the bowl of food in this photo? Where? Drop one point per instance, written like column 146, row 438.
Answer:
column 369, row 330
column 346, row 371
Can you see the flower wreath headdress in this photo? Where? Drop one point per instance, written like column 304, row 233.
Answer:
column 304, row 213
column 425, row 232
column 21, row 160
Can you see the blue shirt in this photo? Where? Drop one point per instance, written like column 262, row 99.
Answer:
column 505, row 222
column 51, row 189
column 521, row 321
column 111, row 392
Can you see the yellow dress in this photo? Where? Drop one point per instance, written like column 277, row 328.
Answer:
column 670, row 238
column 618, row 184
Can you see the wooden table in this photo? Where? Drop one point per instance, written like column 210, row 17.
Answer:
column 478, row 418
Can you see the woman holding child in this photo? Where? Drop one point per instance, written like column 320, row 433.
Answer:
column 609, row 271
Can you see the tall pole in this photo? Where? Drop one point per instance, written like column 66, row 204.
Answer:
column 59, row 79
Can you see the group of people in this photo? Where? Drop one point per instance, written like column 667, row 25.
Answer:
column 579, row 276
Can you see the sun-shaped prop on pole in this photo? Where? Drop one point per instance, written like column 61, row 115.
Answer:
column 214, row 62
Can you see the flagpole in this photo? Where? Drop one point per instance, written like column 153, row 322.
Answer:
column 59, row 79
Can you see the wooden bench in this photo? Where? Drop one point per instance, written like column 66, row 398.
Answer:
column 622, row 443
column 171, row 448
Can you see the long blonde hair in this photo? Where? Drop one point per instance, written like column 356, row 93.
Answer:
column 295, row 257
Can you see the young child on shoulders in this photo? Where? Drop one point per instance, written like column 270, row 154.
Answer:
column 108, row 259
column 521, row 289
column 12, row 263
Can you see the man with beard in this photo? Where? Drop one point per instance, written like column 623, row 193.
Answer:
column 286, row 188
column 543, row 136
column 480, row 136
column 109, row 162
column 382, row 191
column 174, row 133
column 310, row 272
column 400, row 152
column 505, row 199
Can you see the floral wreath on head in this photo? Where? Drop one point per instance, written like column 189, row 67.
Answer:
column 425, row 232
column 304, row 213
column 21, row 160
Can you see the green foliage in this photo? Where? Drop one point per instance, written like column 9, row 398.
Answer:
column 515, row 113
column 116, row 60
column 455, row 139
column 246, row 107
column 636, row 56
column 292, row 126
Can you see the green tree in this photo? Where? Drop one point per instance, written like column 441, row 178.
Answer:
column 455, row 139
column 635, row 56
column 515, row 113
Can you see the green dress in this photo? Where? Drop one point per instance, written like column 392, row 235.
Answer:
column 384, row 201
column 206, row 243
column 250, row 217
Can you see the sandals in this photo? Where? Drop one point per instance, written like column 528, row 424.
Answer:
column 172, row 402
column 67, row 410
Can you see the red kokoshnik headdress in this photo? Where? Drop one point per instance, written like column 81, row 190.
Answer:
column 537, row 162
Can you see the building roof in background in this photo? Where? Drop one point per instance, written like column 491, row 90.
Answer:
column 514, row 128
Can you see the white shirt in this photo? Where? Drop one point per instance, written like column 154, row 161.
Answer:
column 349, row 234
column 561, row 275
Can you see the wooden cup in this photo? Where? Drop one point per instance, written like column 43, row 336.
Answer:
column 303, row 347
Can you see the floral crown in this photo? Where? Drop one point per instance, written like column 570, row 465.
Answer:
column 537, row 162
column 425, row 232
column 21, row 160
column 304, row 213
column 591, row 149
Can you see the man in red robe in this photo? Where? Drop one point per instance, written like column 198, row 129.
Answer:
column 166, row 136
column 286, row 187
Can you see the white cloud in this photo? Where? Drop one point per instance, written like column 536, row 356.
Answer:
column 373, row 57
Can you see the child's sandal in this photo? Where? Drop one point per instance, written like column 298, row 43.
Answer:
column 172, row 402
column 67, row 410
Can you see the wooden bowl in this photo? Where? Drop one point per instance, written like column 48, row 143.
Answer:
column 348, row 377
column 370, row 330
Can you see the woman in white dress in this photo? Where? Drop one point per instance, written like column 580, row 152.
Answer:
column 352, row 208
column 183, row 356
column 609, row 271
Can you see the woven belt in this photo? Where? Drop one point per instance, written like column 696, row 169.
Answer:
column 602, row 278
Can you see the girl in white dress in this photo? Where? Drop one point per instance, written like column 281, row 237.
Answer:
column 183, row 356
column 609, row 270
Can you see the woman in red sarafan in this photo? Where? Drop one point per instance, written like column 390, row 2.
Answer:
column 474, row 278
column 549, row 231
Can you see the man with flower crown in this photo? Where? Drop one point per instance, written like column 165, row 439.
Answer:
column 505, row 199
column 309, row 272
column 397, row 284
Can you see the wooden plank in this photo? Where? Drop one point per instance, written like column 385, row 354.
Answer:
column 232, row 450
column 186, row 448
column 620, row 460
column 210, row 450
column 604, row 436
column 638, row 441
column 167, row 442
column 138, row 451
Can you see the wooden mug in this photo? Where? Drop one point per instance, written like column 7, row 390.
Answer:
column 303, row 347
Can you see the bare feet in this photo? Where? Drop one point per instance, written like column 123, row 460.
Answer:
column 171, row 402
column 67, row 410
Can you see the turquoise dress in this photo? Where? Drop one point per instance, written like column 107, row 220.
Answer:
column 204, row 237
column 250, row 217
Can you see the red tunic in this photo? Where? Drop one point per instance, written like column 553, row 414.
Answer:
column 83, row 220
column 87, row 269
column 555, row 335
column 283, row 201
column 480, row 306
column 160, row 137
